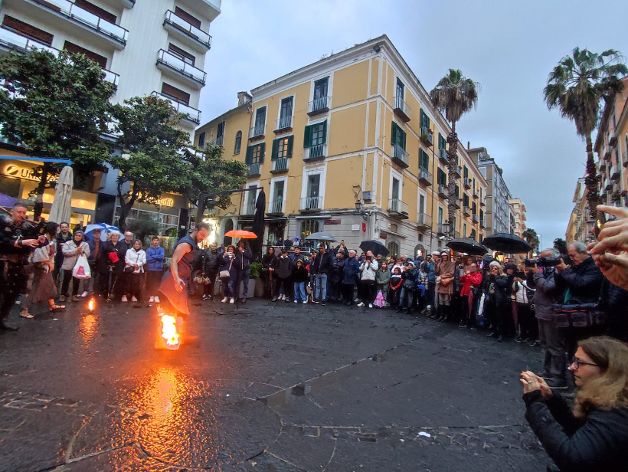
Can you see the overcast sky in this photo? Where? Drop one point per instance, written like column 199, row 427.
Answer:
column 508, row 47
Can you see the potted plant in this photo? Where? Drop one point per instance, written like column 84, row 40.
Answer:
column 256, row 273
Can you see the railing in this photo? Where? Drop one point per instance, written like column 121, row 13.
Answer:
column 425, row 176
column 178, row 64
column 397, row 206
column 311, row 203
column 79, row 15
column 319, row 104
column 427, row 135
column 475, row 219
column 189, row 29
column 424, row 220
column 457, row 171
column 218, row 141
column 442, row 190
column 467, row 182
column 400, row 154
column 280, row 164
column 276, row 206
column 318, row 150
column 466, row 210
column 403, row 107
column 257, row 131
column 443, row 228
column 254, row 169
column 614, row 172
column 442, row 155
column 250, row 208
column 284, row 122
column 190, row 113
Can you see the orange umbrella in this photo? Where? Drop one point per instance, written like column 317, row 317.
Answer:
column 240, row 233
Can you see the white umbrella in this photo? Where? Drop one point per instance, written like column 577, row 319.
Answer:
column 104, row 228
column 62, row 204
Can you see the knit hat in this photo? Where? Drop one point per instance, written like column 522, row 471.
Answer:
column 495, row 264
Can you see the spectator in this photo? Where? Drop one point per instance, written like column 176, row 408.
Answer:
column 155, row 257
column 72, row 249
column 594, row 435
column 242, row 265
column 350, row 276
column 394, row 287
column 335, row 277
column 444, row 286
column 268, row 271
column 471, row 281
column 523, row 289
column 429, row 267
column 210, row 263
column 319, row 269
column 228, row 274
column 499, row 306
column 408, row 289
column 114, row 252
column 95, row 260
column 382, row 277
column 283, row 272
column 300, row 277
column 368, row 269
column 63, row 237
column 135, row 260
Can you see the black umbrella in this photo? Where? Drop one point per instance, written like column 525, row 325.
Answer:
column 507, row 243
column 375, row 247
column 468, row 245
column 258, row 225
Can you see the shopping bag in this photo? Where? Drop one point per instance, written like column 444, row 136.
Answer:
column 379, row 300
column 81, row 269
column 480, row 317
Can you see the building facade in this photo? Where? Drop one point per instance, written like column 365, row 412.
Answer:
column 144, row 47
column 351, row 145
column 497, row 214
column 518, row 213
column 580, row 223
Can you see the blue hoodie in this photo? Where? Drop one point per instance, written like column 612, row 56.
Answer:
column 155, row 258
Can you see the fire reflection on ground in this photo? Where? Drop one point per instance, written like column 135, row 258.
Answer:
column 88, row 327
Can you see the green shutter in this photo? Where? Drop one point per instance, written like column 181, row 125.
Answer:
column 442, row 142
column 424, row 160
column 249, row 155
column 290, row 140
column 275, row 151
column 307, row 137
column 393, row 134
column 262, row 150
column 403, row 138
column 324, row 132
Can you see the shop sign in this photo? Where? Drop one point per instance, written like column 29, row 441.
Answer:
column 332, row 222
column 355, row 227
column 162, row 201
column 21, row 172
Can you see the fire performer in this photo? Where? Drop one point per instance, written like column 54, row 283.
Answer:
column 175, row 282
column 17, row 238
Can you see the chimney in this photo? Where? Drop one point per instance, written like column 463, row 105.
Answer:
column 244, row 98
column 468, row 144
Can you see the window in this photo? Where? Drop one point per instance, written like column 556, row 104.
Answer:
column 464, row 230
column 260, row 121
column 95, row 10
column 175, row 93
column 201, row 139
column 182, row 54
column 238, row 143
column 440, row 215
column 474, row 208
column 320, row 90
column 76, row 49
column 441, row 177
column 220, row 133
column 465, row 172
column 27, row 30
column 399, row 94
column 393, row 248
column 285, row 114
column 395, row 188
column 442, row 142
column 187, row 17
column 424, row 160
column 465, row 200
column 425, row 120
column 398, row 136
column 308, row 227
column 313, row 185
column 282, row 148
column 421, row 204
column 315, row 138
column 255, row 154
column 473, row 234
column 251, row 196
column 276, row 205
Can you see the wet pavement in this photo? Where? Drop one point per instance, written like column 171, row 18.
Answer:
column 261, row 387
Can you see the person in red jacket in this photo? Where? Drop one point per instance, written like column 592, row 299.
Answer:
column 470, row 280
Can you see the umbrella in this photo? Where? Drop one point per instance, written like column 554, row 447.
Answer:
column 320, row 236
column 258, row 224
column 507, row 243
column 240, row 233
column 468, row 245
column 375, row 247
column 7, row 201
column 62, row 204
column 104, row 228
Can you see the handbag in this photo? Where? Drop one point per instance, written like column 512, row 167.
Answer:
column 81, row 269
column 584, row 315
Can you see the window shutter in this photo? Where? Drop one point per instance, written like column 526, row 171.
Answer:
column 307, row 137
column 262, row 150
column 324, row 132
column 393, row 139
column 403, row 138
column 249, row 155
column 273, row 156
column 290, row 141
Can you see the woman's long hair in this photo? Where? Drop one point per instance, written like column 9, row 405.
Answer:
column 610, row 389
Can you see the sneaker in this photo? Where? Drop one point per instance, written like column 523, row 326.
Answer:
column 518, row 339
column 305, row 302
column 360, row 304
column 124, row 299
column 232, row 300
column 84, row 294
column 323, row 303
column 204, row 297
column 133, row 298
column 273, row 300
column 534, row 342
column 296, row 301
column 26, row 314
column 462, row 324
column 156, row 299
column 224, row 300
column 370, row 305
column 151, row 300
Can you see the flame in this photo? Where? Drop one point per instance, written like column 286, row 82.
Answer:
column 91, row 304
column 169, row 331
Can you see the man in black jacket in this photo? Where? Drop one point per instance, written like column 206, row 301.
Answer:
column 319, row 270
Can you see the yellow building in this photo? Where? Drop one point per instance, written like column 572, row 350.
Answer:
column 518, row 212
column 580, row 223
column 352, row 145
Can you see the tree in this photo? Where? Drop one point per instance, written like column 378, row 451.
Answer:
column 576, row 86
column 151, row 162
column 55, row 106
column 531, row 238
column 454, row 95
column 560, row 245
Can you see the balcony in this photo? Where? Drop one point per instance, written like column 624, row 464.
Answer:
column 442, row 191
column 482, row 223
column 614, row 172
column 276, row 207
column 190, row 114
column 608, row 184
column 120, row 3
column 457, row 202
column 280, row 165
column 457, row 172
column 398, row 208
column 476, row 193
column 402, row 110
column 311, row 204
column 316, row 152
column 607, row 153
column 249, row 209
column 11, row 41
column 254, row 169
column 426, row 136
column 284, row 124
column 424, row 176
column 400, row 156
column 442, row 156
column 476, row 219
column 612, row 139
column 114, row 34
column 466, row 211
column 424, row 222
column 319, row 105
column 443, row 229
column 257, row 132
column 467, row 183
column 176, row 66
column 482, row 203
column 187, row 32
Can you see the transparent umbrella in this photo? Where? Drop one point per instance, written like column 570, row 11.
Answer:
column 62, row 204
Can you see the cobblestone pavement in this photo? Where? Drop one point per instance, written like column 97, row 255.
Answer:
column 261, row 387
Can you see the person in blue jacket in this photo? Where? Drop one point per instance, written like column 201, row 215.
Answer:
column 350, row 276
column 155, row 256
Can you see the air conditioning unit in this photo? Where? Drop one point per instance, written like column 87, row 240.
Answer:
column 367, row 196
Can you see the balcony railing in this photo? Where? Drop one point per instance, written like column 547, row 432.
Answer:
column 189, row 30
column 467, row 183
column 442, row 156
column 424, row 176
column 466, row 210
column 442, row 191
column 276, row 206
column 319, row 105
column 311, row 203
column 482, row 224
column 188, row 112
column 284, row 123
column 457, row 171
column 249, row 209
column 398, row 207
column 424, row 221
column 443, row 228
column 400, row 155
column 179, row 65
column 614, row 172
column 254, row 169
column 402, row 110
column 280, row 165
column 257, row 131
column 315, row 152
column 79, row 15
column 476, row 219
column 426, row 136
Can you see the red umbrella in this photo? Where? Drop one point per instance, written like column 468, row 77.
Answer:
column 240, row 233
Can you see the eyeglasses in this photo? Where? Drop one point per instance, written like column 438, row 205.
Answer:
column 577, row 363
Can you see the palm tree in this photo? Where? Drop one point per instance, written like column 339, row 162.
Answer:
column 576, row 86
column 531, row 237
column 454, row 95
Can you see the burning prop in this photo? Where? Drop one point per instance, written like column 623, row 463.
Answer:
column 91, row 305
column 169, row 333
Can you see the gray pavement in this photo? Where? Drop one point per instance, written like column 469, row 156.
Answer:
column 261, row 387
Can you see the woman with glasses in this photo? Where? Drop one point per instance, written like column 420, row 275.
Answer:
column 593, row 436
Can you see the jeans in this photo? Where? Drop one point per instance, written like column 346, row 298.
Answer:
column 299, row 292
column 67, row 275
column 320, row 287
column 555, row 345
column 407, row 298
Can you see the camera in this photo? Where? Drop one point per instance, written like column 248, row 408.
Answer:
column 548, row 261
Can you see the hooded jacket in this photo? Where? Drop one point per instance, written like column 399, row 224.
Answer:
column 584, row 282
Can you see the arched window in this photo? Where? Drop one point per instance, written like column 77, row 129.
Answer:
column 238, row 143
column 393, row 248
column 228, row 227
